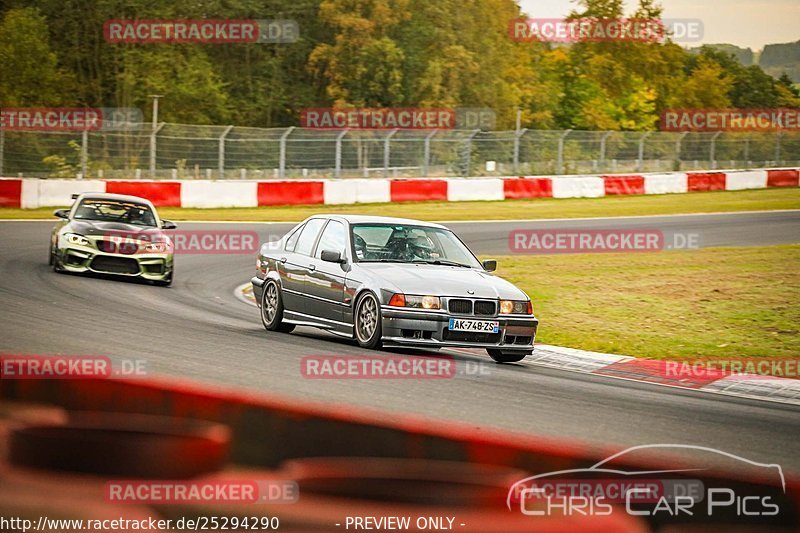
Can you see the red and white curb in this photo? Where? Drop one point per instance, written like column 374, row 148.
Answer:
column 624, row 367
column 774, row 389
column 30, row 193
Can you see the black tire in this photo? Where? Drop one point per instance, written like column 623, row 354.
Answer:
column 272, row 309
column 50, row 256
column 56, row 264
column 367, row 330
column 506, row 357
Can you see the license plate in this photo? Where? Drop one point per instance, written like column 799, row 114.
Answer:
column 483, row 326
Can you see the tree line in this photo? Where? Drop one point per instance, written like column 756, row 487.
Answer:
column 367, row 53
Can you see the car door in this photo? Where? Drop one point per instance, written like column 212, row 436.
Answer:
column 295, row 266
column 326, row 279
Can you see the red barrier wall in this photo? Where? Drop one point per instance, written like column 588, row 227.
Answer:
column 783, row 178
column 10, row 193
column 706, row 181
column 528, row 188
column 616, row 185
column 290, row 192
column 161, row 193
column 418, row 190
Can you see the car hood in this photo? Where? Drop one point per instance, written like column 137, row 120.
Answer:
column 98, row 228
column 440, row 280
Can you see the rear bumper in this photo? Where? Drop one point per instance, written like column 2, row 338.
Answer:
column 154, row 267
column 402, row 327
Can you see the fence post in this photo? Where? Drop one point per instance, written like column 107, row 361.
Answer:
column 337, row 172
column 221, row 168
column 84, row 153
column 517, row 136
column 560, row 161
column 778, row 139
column 282, row 160
column 2, row 148
column 427, row 153
column 386, row 152
column 747, row 153
column 468, row 151
column 678, row 148
column 603, row 140
column 153, row 148
column 640, row 160
column 712, row 151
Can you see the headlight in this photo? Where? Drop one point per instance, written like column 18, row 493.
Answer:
column 74, row 238
column 416, row 302
column 516, row 307
column 157, row 247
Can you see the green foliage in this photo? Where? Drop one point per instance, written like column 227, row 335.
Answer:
column 368, row 53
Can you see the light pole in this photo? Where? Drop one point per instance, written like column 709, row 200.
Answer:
column 153, row 132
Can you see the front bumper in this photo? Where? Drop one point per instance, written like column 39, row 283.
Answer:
column 150, row 266
column 403, row 327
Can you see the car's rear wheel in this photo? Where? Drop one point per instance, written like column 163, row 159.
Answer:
column 368, row 322
column 506, row 357
column 272, row 309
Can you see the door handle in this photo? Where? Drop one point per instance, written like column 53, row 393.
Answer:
column 283, row 259
column 312, row 268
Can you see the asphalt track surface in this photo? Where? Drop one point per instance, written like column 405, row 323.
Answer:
column 199, row 330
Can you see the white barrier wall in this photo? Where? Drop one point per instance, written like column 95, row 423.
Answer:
column 746, row 179
column 673, row 183
column 362, row 191
column 229, row 193
column 474, row 189
column 579, row 187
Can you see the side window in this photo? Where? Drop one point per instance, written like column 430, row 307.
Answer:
column 333, row 238
column 305, row 244
column 292, row 240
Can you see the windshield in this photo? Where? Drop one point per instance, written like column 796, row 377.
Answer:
column 115, row 211
column 398, row 243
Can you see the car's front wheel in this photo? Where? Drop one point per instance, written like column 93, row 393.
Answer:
column 55, row 263
column 272, row 309
column 506, row 357
column 368, row 322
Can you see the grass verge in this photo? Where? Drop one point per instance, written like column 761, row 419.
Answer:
column 610, row 206
column 710, row 303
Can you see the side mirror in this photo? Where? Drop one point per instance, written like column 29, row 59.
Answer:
column 168, row 224
column 61, row 213
column 330, row 256
column 490, row 265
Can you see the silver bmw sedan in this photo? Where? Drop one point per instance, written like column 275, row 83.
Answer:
column 391, row 282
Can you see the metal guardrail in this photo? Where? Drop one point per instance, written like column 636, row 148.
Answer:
column 181, row 151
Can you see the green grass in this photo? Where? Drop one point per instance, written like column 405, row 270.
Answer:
column 717, row 302
column 705, row 202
